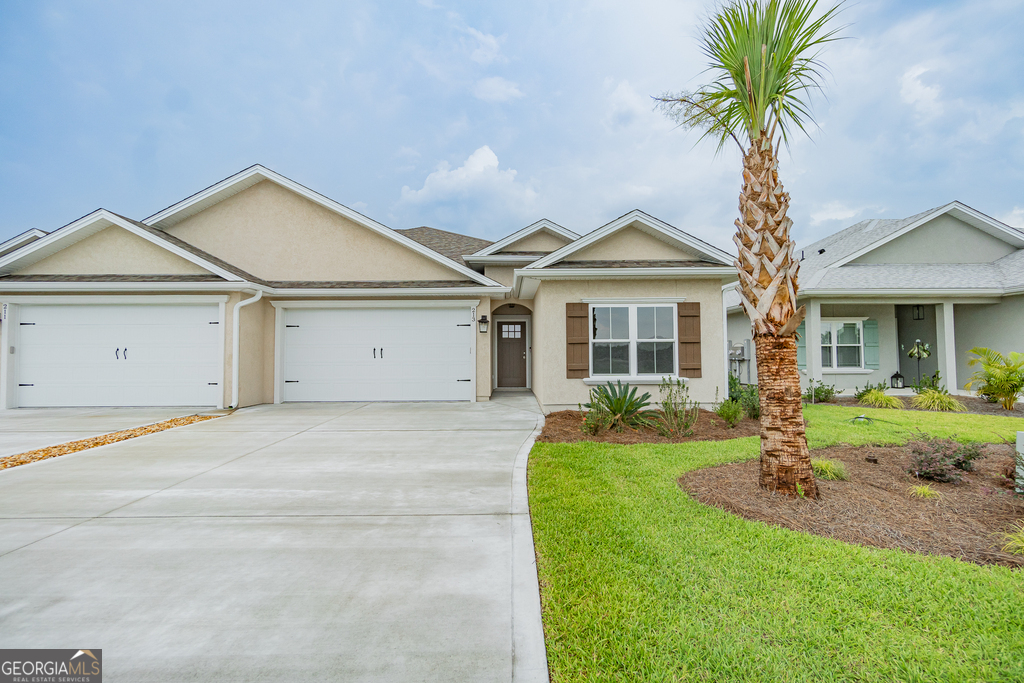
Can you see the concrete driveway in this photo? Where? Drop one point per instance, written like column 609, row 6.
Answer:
column 345, row 542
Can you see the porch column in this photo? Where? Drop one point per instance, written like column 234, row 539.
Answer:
column 814, row 340
column 945, row 338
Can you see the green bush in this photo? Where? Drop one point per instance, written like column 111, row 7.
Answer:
column 877, row 398
column 942, row 460
column 929, row 382
column 751, row 402
column 731, row 411
column 678, row 412
column 833, row 470
column 859, row 393
column 937, row 399
column 735, row 387
column 1000, row 378
column 622, row 407
column 819, row 392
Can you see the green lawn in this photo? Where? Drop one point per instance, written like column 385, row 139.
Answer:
column 641, row 583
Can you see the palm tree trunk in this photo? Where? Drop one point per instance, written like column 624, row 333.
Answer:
column 768, row 290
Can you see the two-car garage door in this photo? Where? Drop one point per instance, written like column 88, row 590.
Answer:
column 378, row 354
column 117, row 355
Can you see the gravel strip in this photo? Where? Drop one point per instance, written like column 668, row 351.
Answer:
column 84, row 444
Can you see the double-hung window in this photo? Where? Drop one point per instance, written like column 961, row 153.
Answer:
column 633, row 339
column 842, row 344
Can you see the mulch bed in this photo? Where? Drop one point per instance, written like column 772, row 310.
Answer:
column 873, row 508
column 564, row 427
column 974, row 405
column 84, row 444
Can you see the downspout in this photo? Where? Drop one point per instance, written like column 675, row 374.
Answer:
column 235, row 343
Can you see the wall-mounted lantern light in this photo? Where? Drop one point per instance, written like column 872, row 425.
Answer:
column 896, row 381
column 483, row 321
column 918, row 312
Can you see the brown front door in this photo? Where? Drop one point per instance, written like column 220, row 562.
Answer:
column 511, row 354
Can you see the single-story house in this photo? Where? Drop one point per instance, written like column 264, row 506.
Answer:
column 259, row 290
column 950, row 277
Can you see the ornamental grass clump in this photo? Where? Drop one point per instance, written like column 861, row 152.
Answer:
column 923, row 491
column 1013, row 540
column 833, row 470
column 618, row 407
column 876, row 398
column 937, row 399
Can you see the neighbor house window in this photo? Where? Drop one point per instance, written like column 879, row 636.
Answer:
column 842, row 344
column 634, row 339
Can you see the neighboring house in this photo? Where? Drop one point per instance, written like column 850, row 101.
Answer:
column 950, row 277
column 259, row 290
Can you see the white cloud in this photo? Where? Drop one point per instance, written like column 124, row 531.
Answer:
column 625, row 105
column 496, row 89
column 488, row 47
column 479, row 178
column 1014, row 218
column 924, row 98
column 833, row 211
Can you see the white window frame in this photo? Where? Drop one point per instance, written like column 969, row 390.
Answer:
column 833, row 324
column 633, row 375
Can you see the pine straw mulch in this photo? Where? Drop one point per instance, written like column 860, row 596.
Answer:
column 84, row 444
column 564, row 427
column 974, row 405
column 873, row 508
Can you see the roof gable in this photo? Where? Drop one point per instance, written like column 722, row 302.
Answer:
column 939, row 239
column 18, row 241
column 112, row 251
column 678, row 245
column 191, row 208
column 521, row 238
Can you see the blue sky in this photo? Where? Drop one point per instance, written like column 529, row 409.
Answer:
column 484, row 117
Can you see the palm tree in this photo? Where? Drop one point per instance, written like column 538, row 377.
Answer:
column 764, row 58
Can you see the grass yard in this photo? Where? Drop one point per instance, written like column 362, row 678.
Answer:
column 641, row 583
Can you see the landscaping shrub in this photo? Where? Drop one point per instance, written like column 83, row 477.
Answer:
column 1000, row 379
column 877, row 398
column 735, row 387
column 859, row 393
column 751, row 402
column 923, row 491
column 942, row 460
column 678, row 412
column 1013, row 540
column 928, row 382
column 596, row 417
column 937, row 399
column 819, row 392
column 623, row 407
column 833, row 470
column 731, row 411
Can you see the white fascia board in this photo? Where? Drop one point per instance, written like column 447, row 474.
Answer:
column 385, row 303
column 669, row 232
column 957, row 210
column 527, row 280
column 907, row 295
column 153, row 299
column 495, row 260
column 90, row 225
column 43, row 287
column 24, row 237
column 165, row 217
column 542, row 225
column 385, row 293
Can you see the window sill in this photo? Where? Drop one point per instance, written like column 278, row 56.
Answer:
column 643, row 379
column 847, row 371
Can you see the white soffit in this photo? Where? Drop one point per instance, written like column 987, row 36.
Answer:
column 648, row 224
column 543, row 225
column 87, row 226
column 255, row 174
column 21, row 240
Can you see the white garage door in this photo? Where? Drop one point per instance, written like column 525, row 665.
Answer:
column 117, row 355
column 378, row 354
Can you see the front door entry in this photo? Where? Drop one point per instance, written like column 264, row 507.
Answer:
column 512, row 354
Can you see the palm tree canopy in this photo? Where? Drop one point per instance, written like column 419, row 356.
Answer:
column 764, row 56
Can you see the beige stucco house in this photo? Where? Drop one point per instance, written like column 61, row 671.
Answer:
column 259, row 290
column 950, row 277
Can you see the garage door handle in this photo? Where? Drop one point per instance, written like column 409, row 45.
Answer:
column 463, row 380
column 126, row 353
column 374, row 351
column 117, row 354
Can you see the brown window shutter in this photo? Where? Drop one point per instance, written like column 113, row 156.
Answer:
column 689, row 339
column 577, row 340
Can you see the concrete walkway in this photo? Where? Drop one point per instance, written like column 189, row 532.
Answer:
column 342, row 542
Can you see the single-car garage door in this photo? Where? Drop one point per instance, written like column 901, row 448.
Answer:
column 118, row 355
column 378, row 354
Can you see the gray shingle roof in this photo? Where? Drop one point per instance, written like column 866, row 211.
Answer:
column 451, row 245
column 633, row 263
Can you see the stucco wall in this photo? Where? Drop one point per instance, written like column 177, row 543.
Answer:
column 113, row 251
column 997, row 326
column 483, row 354
column 630, row 243
column 254, row 320
column 538, row 241
column 503, row 274
column 276, row 234
column 556, row 392
column 941, row 240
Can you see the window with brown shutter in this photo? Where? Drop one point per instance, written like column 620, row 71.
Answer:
column 689, row 339
column 577, row 340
